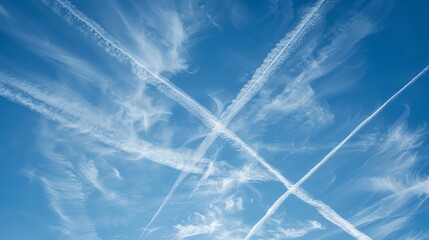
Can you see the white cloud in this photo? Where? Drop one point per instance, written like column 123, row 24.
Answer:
column 157, row 38
column 67, row 197
column 215, row 223
column 116, row 173
column 91, row 173
column 390, row 227
column 192, row 230
column 299, row 100
column 400, row 186
column 280, row 232
column 234, row 204
column 224, row 179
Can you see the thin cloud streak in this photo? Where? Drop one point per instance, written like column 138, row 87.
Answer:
column 169, row 89
column 271, row 63
column 294, row 188
column 58, row 111
column 401, row 189
column 67, row 197
column 298, row 231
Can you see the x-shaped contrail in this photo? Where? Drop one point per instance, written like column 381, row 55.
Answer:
column 271, row 63
column 114, row 48
column 291, row 190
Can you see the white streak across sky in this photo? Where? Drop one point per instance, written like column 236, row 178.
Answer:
column 172, row 91
column 73, row 117
column 270, row 64
column 294, row 188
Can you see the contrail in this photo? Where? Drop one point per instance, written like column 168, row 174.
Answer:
column 202, row 149
column 114, row 48
column 270, row 65
column 294, row 188
column 169, row 89
column 70, row 116
column 321, row 207
column 273, row 61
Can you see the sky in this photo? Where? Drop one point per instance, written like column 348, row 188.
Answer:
column 232, row 119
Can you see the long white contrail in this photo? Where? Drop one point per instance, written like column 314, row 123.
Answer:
column 294, row 188
column 114, row 48
column 273, row 61
column 170, row 90
column 270, row 65
column 72, row 116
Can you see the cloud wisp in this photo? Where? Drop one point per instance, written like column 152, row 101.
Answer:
column 298, row 101
column 395, row 179
column 270, row 64
column 114, row 48
column 67, row 199
column 74, row 116
column 294, row 188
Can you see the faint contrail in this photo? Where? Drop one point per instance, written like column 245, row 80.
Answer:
column 70, row 116
column 270, row 65
column 170, row 90
column 294, row 188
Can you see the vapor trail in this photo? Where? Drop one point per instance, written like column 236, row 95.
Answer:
column 270, row 65
column 114, row 48
column 294, row 188
column 72, row 116
column 207, row 142
column 273, row 61
column 169, row 89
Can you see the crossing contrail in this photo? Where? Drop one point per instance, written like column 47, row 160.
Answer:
column 294, row 188
column 270, row 65
column 170, row 90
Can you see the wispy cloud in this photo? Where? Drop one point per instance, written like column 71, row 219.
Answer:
column 278, row 229
column 158, row 37
column 185, row 231
column 73, row 116
column 66, row 195
column 395, row 178
column 390, row 227
column 217, row 222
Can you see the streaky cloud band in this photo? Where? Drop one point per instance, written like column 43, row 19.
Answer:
column 73, row 117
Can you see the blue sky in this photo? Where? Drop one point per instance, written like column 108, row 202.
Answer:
column 214, row 120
